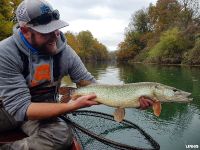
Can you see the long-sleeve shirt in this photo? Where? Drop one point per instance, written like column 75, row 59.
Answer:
column 14, row 87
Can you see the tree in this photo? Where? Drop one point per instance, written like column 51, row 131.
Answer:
column 190, row 11
column 86, row 46
column 140, row 22
column 5, row 16
column 7, row 9
column 85, row 40
column 170, row 48
column 165, row 14
column 73, row 41
column 194, row 54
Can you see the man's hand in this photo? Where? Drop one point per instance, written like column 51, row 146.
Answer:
column 145, row 102
column 37, row 111
column 83, row 101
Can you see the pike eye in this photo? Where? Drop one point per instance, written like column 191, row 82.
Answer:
column 175, row 90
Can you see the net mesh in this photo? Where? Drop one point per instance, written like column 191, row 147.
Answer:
column 99, row 131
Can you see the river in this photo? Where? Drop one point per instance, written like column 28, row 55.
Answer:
column 179, row 124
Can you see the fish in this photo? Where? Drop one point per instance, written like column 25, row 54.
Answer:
column 127, row 95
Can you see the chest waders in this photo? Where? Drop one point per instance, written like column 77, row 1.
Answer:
column 42, row 76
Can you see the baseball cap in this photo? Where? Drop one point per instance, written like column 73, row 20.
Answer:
column 39, row 15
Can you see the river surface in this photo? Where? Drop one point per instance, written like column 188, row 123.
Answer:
column 179, row 124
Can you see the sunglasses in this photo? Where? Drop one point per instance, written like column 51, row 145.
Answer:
column 45, row 18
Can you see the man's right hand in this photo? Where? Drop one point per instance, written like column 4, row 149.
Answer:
column 83, row 101
column 37, row 111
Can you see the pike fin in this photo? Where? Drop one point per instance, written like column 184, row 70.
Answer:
column 157, row 108
column 119, row 114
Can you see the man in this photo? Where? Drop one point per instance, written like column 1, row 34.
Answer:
column 32, row 63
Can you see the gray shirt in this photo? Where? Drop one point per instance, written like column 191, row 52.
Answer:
column 14, row 89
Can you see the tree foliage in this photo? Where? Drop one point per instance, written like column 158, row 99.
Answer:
column 7, row 9
column 140, row 22
column 165, row 14
column 131, row 46
column 162, row 33
column 86, row 46
column 170, row 47
column 194, row 55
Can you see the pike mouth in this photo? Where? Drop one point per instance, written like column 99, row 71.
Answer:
column 182, row 97
column 178, row 97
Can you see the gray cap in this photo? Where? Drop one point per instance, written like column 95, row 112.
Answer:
column 39, row 15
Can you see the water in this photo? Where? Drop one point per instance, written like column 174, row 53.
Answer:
column 178, row 124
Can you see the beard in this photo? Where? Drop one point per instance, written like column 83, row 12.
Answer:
column 49, row 47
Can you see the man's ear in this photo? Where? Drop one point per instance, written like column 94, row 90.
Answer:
column 26, row 32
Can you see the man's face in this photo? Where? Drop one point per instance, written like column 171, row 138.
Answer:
column 45, row 43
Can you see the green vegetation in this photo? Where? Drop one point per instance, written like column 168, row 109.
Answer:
column 193, row 56
column 169, row 49
column 166, row 33
column 86, row 46
column 7, row 7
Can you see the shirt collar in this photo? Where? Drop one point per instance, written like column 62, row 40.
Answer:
column 33, row 50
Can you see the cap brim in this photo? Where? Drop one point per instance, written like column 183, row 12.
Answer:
column 50, row 27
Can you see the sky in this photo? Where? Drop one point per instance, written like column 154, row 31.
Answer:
column 105, row 19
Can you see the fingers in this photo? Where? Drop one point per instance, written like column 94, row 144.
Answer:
column 90, row 99
column 145, row 102
column 79, row 96
column 90, row 96
column 86, row 100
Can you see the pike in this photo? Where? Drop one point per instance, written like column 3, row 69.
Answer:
column 127, row 95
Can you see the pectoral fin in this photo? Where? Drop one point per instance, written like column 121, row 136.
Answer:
column 157, row 108
column 119, row 114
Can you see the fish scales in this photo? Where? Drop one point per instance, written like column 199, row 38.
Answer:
column 127, row 95
column 120, row 95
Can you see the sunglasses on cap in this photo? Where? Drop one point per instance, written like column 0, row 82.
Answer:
column 45, row 18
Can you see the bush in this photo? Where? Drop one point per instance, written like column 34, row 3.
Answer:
column 169, row 49
column 193, row 56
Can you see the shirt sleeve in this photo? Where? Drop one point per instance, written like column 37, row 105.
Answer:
column 13, row 88
column 77, row 70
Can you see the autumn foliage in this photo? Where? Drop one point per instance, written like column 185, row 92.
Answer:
column 7, row 7
column 167, row 32
column 86, row 46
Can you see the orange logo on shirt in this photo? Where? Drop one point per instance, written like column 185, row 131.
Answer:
column 42, row 73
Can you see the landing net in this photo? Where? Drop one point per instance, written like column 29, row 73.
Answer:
column 99, row 131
